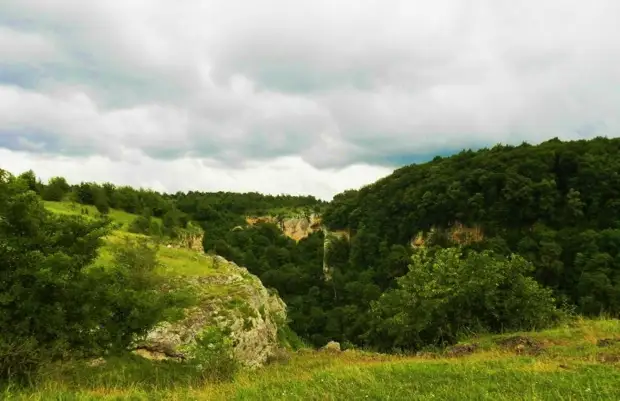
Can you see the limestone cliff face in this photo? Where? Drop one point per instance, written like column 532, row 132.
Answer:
column 296, row 228
column 230, row 298
column 300, row 227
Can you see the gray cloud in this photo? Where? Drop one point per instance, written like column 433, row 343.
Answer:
column 334, row 83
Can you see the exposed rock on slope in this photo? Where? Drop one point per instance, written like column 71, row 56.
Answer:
column 456, row 234
column 296, row 228
column 300, row 227
column 230, row 298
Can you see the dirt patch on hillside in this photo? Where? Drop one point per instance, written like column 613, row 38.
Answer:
column 521, row 345
column 460, row 350
column 608, row 358
column 608, row 342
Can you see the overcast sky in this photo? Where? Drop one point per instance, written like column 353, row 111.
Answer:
column 284, row 96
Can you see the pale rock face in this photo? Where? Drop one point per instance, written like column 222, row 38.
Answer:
column 332, row 346
column 296, row 228
column 233, row 299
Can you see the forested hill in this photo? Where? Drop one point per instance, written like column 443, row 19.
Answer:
column 545, row 219
column 557, row 203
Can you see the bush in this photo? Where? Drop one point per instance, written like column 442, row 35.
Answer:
column 140, row 225
column 448, row 293
column 213, row 357
column 19, row 357
column 56, row 189
column 146, row 225
column 288, row 339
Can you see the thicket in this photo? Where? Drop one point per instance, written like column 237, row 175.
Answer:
column 55, row 301
column 448, row 293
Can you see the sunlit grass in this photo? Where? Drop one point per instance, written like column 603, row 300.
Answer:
column 70, row 208
column 174, row 260
column 563, row 371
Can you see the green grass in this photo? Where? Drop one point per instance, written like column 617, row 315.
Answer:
column 175, row 261
column 69, row 208
column 569, row 366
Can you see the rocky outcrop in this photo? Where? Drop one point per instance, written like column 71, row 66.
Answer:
column 297, row 228
column 231, row 299
column 189, row 238
column 300, row 227
column 331, row 346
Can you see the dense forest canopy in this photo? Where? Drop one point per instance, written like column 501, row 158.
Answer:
column 557, row 204
column 546, row 220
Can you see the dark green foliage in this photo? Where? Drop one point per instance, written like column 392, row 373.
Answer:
column 30, row 182
column 174, row 220
column 56, row 189
column 20, row 357
column 213, row 356
column 53, row 300
column 557, row 204
column 140, row 225
column 447, row 293
column 85, row 193
column 101, row 202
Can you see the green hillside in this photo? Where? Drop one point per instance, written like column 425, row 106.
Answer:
column 70, row 208
column 173, row 260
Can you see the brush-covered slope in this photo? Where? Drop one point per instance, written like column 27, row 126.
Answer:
column 557, row 204
column 230, row 298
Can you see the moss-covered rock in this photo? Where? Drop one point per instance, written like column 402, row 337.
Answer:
column 232, row 300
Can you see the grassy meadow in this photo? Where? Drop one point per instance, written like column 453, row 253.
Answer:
column 579, row 361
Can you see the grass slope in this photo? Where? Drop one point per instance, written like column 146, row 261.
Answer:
column 568, row 363
column 70, row 208
column 177, row 261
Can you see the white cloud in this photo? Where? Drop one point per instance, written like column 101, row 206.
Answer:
column 287, row 175
column 18, row 47
column 329, row 83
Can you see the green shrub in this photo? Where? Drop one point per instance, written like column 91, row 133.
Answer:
column 288, row 339
column 19, row 356
column 140, row 225
column 213, row 356
column 447, row 293
column 56, row 189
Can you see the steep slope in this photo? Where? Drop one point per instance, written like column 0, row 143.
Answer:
column 294, row 227
column 230, row 298
column 557, row 203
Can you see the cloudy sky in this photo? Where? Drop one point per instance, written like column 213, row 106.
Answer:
column 285, row 96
